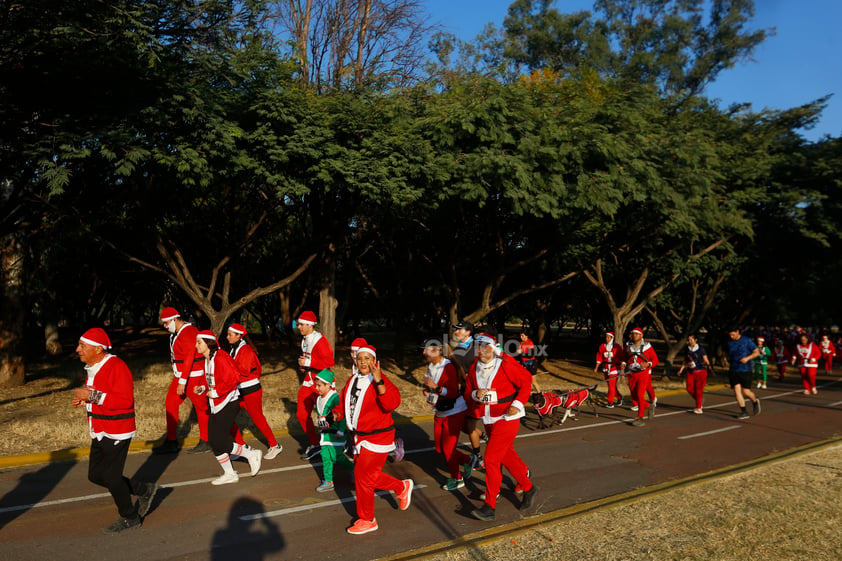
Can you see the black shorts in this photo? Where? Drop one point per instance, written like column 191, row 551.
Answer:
column 743, row 379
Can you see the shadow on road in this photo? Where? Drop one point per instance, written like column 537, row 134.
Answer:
column 248, row 536
column 33, row 487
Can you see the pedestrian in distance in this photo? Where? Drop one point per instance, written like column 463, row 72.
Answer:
column 316, row 355
column 526, row 355
column 639, row 358
column 187, row 374
column 697, row 365
column 463, row 355
column 222, row 377
column 828, row 353
column 496, row 391
column 368, row 400
column 782, row 357
column 331, row 429
column 108, row 399
column 251, row 391
column 608, row 359
column 806, row 356
column 441, row 390
column 741, row 352
column 761, row 363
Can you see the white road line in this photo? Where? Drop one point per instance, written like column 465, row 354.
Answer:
column 834, row 404
column 321, row 504
column 698, row 434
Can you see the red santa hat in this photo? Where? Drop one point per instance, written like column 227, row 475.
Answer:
column 307, row 317
column 367, row 349
column 357, row 343
column 761, row 339
column 237, row 328
column 207, row 334
column 96, row 337
column 610, row 334
column 637, row 330
column 168, row 314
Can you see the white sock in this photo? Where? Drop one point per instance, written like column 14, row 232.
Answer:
column 225, row 461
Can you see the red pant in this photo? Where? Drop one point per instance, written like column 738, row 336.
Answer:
column 368, row 476
column 640, row 383
column 808, row 377
column 781, row 370
column 446, row 436
column 500, row 453
column 306, row 402
column 696, row 381
column 828, row 362
column 613, row 393
column 253, row 404
column 174, row 401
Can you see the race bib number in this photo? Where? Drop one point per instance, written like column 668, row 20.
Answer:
column 323, row 424
column 432, row 398
column 490, row 397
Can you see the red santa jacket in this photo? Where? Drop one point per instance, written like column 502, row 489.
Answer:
column 508, row 383
column 223, row 376
column 112, row 413
column 609, row 359
column 446, row 393
column 782, row 354
column 635, row 355
column 827, row 348
column 368, row 413
column 249, row 364
column 317, row 354
column 806, row 356
column 186, row 362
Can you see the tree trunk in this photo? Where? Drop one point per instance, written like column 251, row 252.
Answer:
column 328, row 302
column 12, row 369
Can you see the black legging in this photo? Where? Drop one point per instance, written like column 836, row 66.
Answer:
column 219, row 428
column 108, row 460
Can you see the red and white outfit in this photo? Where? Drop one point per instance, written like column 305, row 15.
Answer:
column 806, row 358
column 782, row 357
column 318, row 355
column 188, row 370
column 449, row 408
column 640, row 378
column 368, row 415
column 507, row 384
column 251, row 392
column 828, row 352
column 608, row 359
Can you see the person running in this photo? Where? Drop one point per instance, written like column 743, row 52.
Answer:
column 441, row 390
column 741, row 351
column 526, row 355
column 222, row 376
column 463, row 355
column 187, row 374
column 251, row 392
column 496, row 390
column 108, row 399
column 608, row 358
column 782, row 357
column 806, row 357
column 639, row 359
column 828, row 352
column 368, row 400
column 331, row 429
column 761, row 363
column 316, row 355
column 696, row 364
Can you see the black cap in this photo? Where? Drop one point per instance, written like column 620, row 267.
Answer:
column 466, row 325
column 432, row 342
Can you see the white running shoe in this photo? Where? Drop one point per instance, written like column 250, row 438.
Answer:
column 226, row 478
column 254, row 457
column 273, row 452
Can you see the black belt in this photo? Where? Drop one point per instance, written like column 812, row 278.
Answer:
column 375, row 431
column 117, row 417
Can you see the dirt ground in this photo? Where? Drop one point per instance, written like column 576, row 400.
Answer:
column 781, row 511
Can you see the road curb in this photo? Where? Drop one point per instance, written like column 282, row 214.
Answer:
column 509, row 531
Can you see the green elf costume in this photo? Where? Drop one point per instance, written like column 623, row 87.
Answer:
column 332, row 432
column 761, row 363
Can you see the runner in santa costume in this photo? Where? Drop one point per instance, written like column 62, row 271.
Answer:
column 108, row 398
column 441, row 390
column 316, row 355
column 187, row 368
column 496, row 389
column 608, row 358
column 828, row 352
column 782, row 356
column 331, row 429
column 222, row 376
column 251, row 392
column 806, row 357
column 761, row 363
column 638, row 360
column 367, row 401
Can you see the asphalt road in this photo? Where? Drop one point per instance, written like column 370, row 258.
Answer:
column 51, row 511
